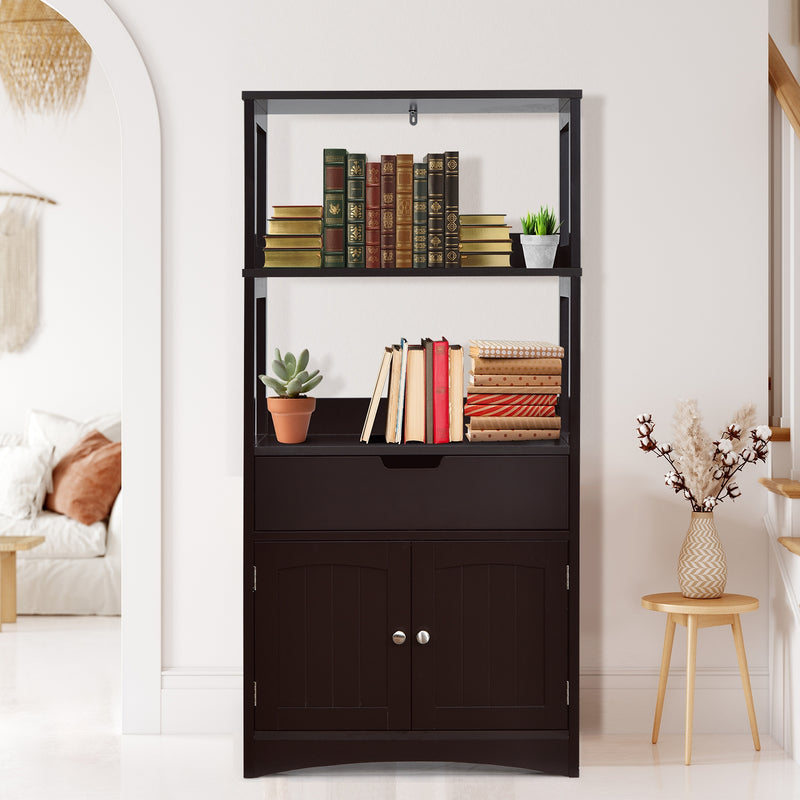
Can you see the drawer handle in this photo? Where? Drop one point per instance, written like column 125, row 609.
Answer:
column 423, row 637
column 398, row 637
column 411, row 462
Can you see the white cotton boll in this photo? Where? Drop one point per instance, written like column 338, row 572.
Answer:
column 724, row 446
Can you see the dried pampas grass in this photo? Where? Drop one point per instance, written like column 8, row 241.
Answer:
column 44, row 61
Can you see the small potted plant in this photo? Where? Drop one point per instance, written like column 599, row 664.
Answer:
column 540, row 238
column 291, row 410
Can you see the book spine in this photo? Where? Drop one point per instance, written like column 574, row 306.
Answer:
column 441, row 392
column 404, row 201
column 427, row 345
column 435, row 162
column 420, row 217
column 333, row 165
column 456, row 393
column 355, row 192
column 508, row 411
column 452, row 253
column 510, row 435
column 373, row 220
column 388, row 229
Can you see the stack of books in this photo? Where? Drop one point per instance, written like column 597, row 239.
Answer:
column 513, row 390
column 392, row 212
column 294, row 237
column 425, row 398
column 485, row 240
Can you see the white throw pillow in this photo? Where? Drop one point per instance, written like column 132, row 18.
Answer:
column 62, row 433
column 24, row 477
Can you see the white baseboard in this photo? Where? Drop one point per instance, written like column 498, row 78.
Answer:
column 201, row 700
column 618, row 700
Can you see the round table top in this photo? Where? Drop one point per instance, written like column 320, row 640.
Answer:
column 676, row 603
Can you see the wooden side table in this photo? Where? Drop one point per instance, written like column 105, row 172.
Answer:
column 694, row 614
column 8, row 573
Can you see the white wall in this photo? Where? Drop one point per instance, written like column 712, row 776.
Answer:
column 72, row 363
column 675, row 288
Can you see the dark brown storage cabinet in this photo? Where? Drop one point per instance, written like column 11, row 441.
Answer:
column 381, row 629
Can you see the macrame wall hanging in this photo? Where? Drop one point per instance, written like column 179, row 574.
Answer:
column 44, row 61
column 19, row 293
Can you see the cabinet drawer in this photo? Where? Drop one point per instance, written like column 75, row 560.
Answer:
column 411, row 492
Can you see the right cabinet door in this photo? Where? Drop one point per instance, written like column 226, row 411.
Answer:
column 496, row 617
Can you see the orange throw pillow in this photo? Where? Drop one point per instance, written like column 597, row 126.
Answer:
column 87, row 480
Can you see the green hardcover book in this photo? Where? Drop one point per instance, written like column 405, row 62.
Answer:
column 435, row 162
column 333, row 211
column 452, row 254
column 355, row 190
column 420, row 233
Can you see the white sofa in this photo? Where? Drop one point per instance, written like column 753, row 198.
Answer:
column 77, row 570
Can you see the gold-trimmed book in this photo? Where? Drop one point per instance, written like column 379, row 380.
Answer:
column 292, row 258
column 483, row 219
column 510, row 435
column 294, row 227
column 292, row 242
column 485, row 233
column 297, row 212
column 485, row 247
column 485, row 259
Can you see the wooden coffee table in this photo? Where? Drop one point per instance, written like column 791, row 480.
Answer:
column 8, row 573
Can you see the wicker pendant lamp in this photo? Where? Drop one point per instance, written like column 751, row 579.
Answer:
column 44, row 61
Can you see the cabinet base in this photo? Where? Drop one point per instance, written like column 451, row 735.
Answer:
column 550, row 752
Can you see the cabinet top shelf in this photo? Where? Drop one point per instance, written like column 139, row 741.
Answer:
column 461, row 272
column 512, row 101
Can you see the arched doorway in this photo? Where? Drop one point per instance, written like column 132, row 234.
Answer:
column 140, row 137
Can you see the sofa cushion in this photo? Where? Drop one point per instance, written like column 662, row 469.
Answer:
column 87, row 480
column 24, row 477
column 64, row 537
column 45, row 429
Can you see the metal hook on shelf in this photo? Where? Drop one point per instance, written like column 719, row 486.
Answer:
column 412, row 114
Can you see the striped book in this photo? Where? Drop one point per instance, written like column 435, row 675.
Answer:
column 512, row 399
column 472, row 410
column 505, row 348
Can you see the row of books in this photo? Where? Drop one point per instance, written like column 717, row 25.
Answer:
column 393, row 213
column 425, row 398
column 513, row 390
column 294, row 237
column 485, row 240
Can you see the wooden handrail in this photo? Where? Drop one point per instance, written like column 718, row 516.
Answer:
column 785, row 86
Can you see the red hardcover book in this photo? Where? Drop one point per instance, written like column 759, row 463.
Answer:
column 373, row 221
column 441, row 392
column 388, row 203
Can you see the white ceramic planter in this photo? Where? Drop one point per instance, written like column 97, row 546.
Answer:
column 539, row 251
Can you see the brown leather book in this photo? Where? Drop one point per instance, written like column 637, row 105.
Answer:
column 388, row 204
column 404, row 218
column 373, row 220
column 452, row 252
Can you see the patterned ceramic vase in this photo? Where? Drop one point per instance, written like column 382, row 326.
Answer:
column 702, row 569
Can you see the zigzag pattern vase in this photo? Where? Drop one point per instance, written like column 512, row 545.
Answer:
column 702, row 568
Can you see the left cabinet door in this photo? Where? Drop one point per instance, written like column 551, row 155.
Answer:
column 324, row 616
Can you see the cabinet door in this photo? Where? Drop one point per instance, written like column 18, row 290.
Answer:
column 496, row 613
column 324, row 617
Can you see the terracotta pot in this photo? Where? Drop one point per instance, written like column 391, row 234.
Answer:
column 702, row 568
column 290, row 417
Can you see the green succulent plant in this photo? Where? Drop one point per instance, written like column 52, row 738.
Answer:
column 292, row 378
column 543, row 223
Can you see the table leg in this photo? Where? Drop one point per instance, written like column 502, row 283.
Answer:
column 738, row 639
column 691, row 660
column 8, row 587
column 666, row 656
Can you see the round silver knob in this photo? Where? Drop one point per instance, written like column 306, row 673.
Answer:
column 398, row 637
column 423, row 637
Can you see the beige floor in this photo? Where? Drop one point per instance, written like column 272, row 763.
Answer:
column 59, row 717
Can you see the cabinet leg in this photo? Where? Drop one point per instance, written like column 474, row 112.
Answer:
column 738, row 639
column 691, row 661
column 666, row 656
column 8, row 587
